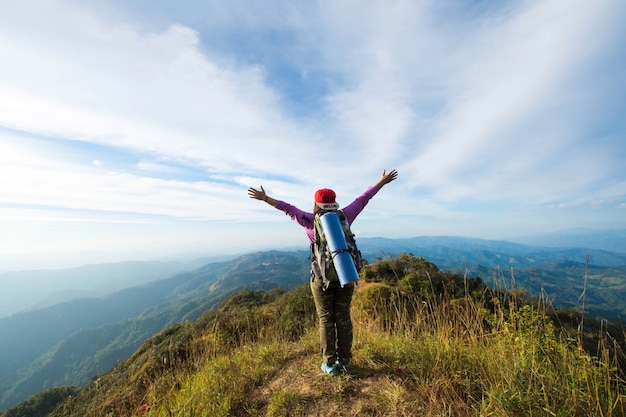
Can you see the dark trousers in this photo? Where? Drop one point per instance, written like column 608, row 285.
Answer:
column 333, row 311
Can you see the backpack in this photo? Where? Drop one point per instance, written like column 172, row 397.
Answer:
column 322, row 266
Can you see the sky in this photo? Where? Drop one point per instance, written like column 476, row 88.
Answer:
column 131, row 130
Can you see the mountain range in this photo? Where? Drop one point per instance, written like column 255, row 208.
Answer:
column 72, row 342
column 39, row 288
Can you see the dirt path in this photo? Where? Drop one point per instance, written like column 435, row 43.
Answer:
column 302, row 389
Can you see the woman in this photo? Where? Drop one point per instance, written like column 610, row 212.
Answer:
column 332, row 303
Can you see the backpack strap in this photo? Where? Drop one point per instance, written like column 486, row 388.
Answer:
column 350, row 240
column 321, row 258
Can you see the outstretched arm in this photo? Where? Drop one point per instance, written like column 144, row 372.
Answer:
column 261, row 195
column 386, row 178
column 353, row 209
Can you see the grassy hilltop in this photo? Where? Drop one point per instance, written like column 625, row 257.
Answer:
column 427, row 343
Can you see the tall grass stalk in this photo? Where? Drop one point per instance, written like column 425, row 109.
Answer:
column 581, row 327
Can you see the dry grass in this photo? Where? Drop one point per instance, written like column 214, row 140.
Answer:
column 432, row 359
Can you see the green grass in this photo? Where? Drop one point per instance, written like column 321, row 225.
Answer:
column 444, row 363
column 443, row 356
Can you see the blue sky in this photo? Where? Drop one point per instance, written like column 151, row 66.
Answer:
column 132, row 130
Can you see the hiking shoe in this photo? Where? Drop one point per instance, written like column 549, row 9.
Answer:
column 345, row 367
column 330, row 369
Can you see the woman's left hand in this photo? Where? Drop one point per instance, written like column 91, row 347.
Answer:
column 257, row 194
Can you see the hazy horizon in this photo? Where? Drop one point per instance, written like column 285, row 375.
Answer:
column 539, row 239
column 35, row 288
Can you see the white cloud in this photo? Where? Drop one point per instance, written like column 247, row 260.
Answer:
column 503, row 120
column 154, row 92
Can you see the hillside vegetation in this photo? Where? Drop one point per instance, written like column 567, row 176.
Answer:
column 553, row 272
column 427, row 343
column 69, row 343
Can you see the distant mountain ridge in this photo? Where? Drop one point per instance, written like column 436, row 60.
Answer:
column 613, row 240
column 450, row 252
column 37, row 289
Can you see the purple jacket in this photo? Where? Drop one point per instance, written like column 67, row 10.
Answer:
column 306, row 219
